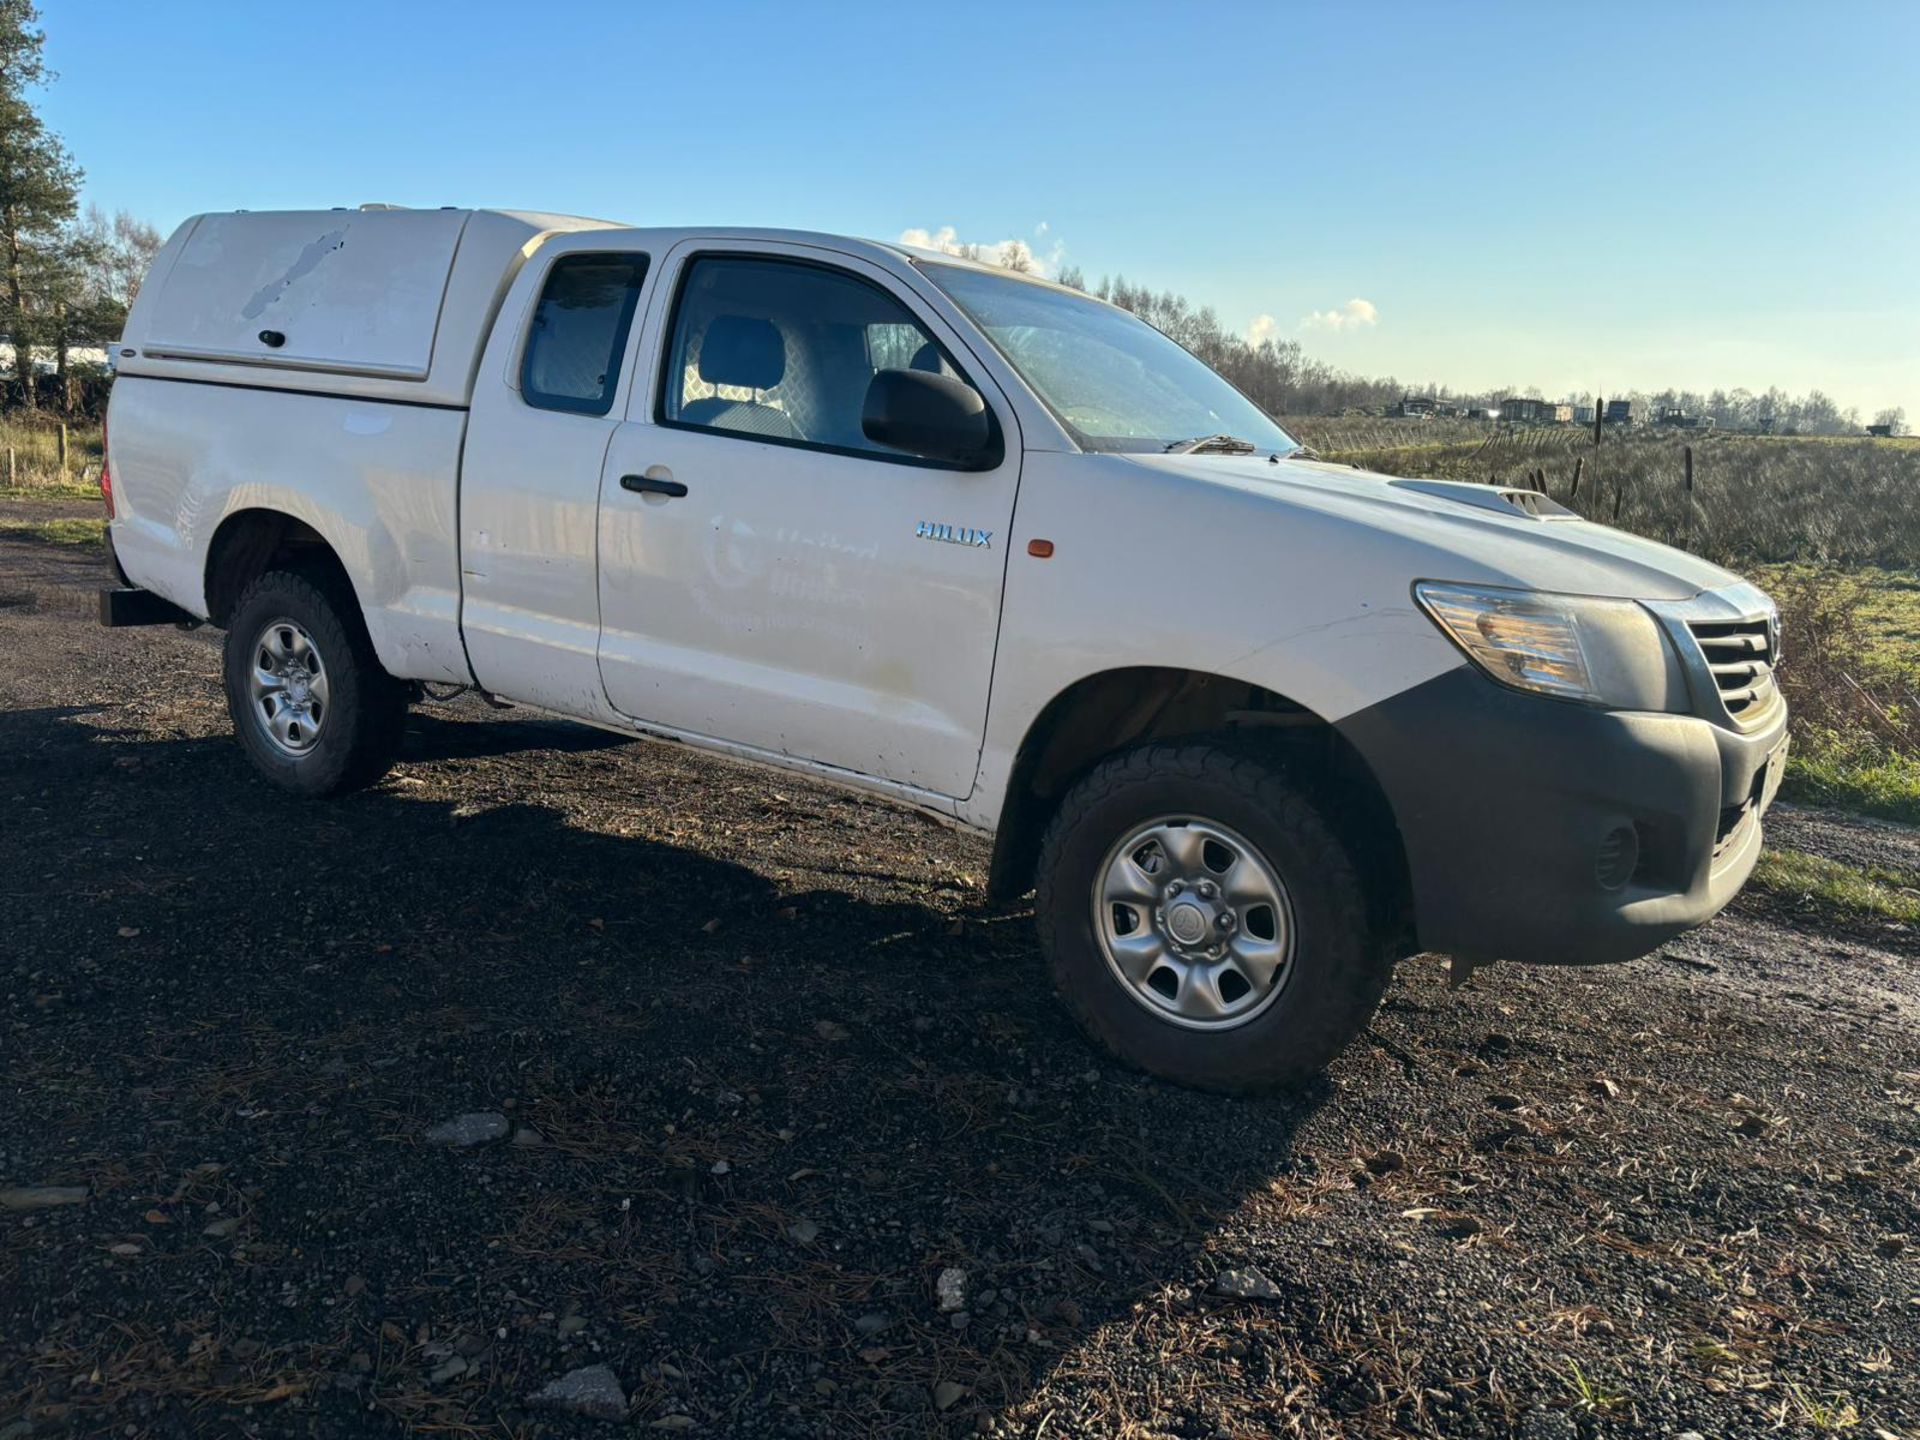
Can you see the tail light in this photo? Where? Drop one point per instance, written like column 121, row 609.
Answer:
column 106, row 475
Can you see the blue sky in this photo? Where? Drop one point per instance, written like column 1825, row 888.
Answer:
column 1615, row 196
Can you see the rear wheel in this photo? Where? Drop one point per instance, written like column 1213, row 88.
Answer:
column 1205, row 922
column 310, row 703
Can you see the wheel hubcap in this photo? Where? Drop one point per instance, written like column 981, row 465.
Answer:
column 1187, row 923
column 288, row 683
column 1194, row 923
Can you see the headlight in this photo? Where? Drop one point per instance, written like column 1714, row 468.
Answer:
column 1576, row 647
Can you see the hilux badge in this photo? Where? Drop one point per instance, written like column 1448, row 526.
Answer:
column 955, row 534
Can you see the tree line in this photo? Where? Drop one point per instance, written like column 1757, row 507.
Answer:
column 1282, row 379
column 68, row 277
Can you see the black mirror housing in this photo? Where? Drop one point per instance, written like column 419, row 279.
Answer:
column 930, row 415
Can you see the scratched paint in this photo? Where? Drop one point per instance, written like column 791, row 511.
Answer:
column 308, row 262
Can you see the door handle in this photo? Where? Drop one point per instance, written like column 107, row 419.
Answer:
column 653, row 485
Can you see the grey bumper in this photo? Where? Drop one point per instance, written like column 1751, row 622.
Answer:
column 1512, row 811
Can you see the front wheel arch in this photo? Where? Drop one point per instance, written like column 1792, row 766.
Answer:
column 1105, row 714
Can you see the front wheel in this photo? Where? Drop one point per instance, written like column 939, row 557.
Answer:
column 310, row 703
column 1205, row 922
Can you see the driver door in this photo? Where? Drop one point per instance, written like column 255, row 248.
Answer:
column 771, row 579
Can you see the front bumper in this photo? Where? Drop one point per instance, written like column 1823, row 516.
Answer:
column 1543, row 831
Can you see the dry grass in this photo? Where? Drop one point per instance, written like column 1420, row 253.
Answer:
column 34, row 447
column 1851, row 672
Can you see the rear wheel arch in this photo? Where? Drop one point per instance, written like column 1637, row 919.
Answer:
column 1112, row 711
column 249, row 543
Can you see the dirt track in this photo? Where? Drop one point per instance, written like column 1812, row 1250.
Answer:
column 768, row 1067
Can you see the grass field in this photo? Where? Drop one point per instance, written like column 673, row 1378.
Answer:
column 1755, row 498
column 34, row 448
column 30, row 471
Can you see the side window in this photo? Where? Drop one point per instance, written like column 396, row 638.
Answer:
column 783, row 350
column 579, row 334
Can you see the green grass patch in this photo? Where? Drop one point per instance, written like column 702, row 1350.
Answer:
column 1885, row 786
column 1877, row 891
column 59, row 531
column 1889, row 608
column 51, row 490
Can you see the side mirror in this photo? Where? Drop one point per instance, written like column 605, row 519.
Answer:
column 934, row 416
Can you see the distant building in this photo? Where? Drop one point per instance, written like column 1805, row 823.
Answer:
column 1483, row 412
column 1583, row 414
column 1524, row 411
column 1885, row 432
column 78, row 356
column 1416, row 407
column 1619, row 412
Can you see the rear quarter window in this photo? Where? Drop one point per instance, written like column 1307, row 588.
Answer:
column 579, row 332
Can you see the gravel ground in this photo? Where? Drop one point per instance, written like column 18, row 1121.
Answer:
column 772, row 1118
column 1858, row 840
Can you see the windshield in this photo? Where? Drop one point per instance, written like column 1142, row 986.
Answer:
column 1115, row 381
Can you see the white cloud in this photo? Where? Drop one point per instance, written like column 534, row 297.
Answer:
column 1261, row 329
column 1353, row 315
column 1014, row 254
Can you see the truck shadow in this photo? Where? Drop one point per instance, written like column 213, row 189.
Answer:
column 432, row 736
column 760, row 1096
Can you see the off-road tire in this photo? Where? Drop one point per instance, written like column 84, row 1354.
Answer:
column 1340, row 965
column 367, row 707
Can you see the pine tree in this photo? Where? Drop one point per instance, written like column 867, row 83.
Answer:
column 39, row 185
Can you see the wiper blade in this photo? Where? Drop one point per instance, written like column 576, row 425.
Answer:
column 1212, row 445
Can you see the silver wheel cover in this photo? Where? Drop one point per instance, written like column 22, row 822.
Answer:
column 1194, row 922
column 288, row 684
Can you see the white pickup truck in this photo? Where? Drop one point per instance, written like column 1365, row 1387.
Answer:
column 1252, row 725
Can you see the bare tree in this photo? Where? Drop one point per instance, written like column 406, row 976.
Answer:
column 119, row 252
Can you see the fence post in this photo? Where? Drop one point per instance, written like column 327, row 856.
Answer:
column 1687, row 455
column 10, row 475
column 1579, row 462
column 63, row 448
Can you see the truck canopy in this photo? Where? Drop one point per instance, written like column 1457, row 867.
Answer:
column 380, row 302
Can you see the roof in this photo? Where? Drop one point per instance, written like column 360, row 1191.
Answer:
column 663, row 236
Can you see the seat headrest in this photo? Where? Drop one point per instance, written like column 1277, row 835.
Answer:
column 927, row 358
column 744, row 351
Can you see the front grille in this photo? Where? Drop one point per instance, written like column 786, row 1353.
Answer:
column 1739, row 656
